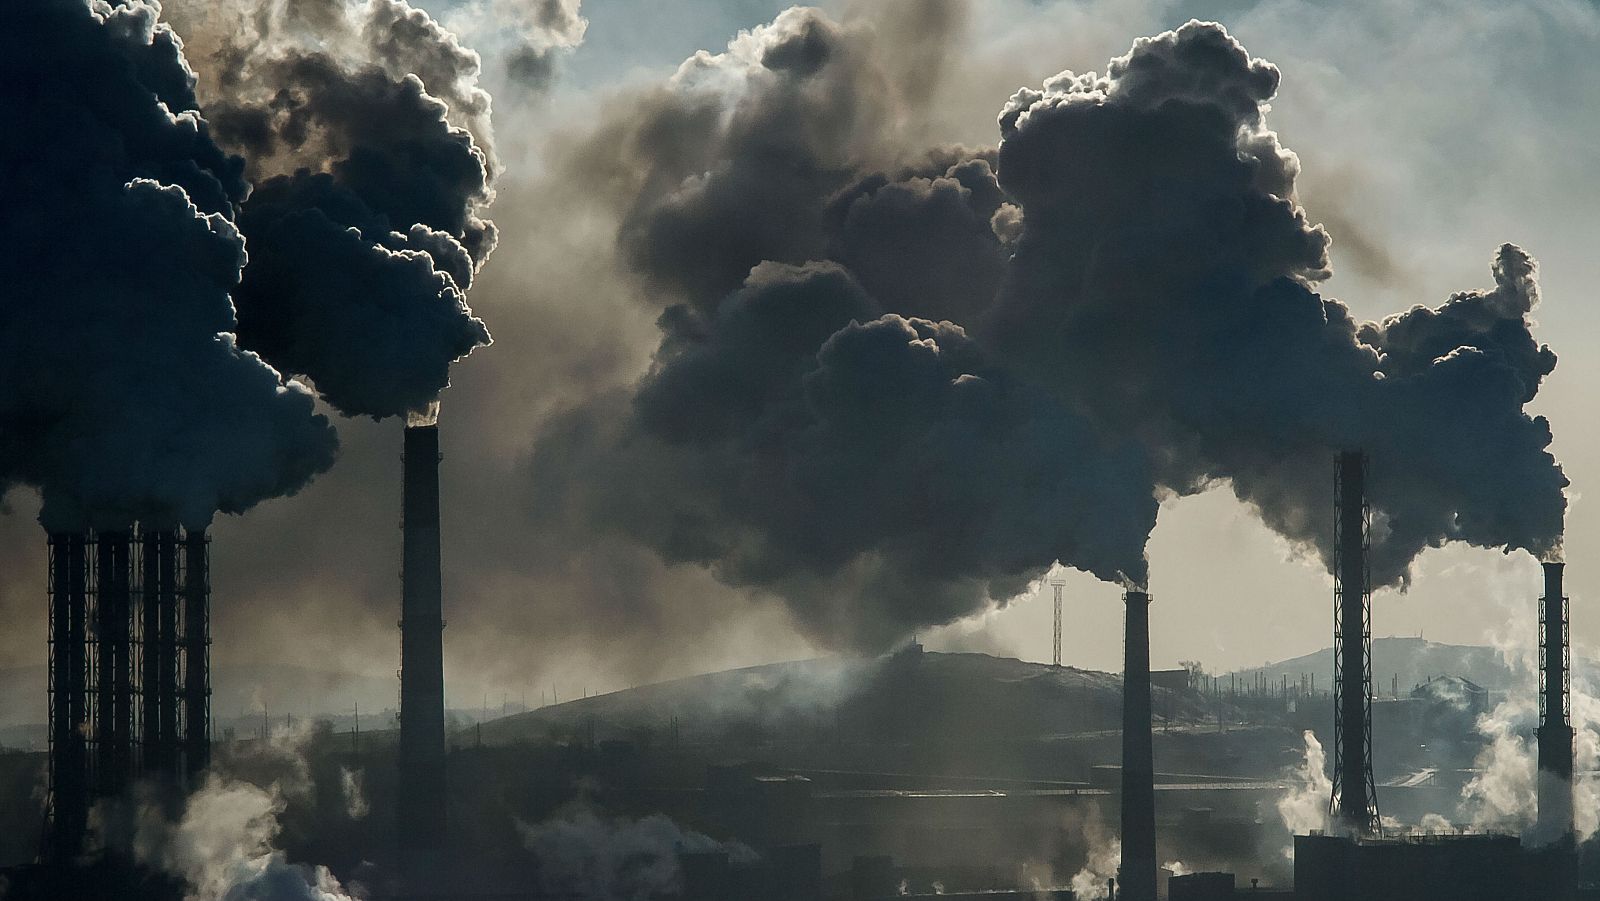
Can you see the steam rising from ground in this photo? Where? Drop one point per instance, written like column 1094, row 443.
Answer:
column 1304, row 805
column 585, row 856
column 1104, row 862
column 224, row 845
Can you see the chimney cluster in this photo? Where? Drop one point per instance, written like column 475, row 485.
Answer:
column 129, row 675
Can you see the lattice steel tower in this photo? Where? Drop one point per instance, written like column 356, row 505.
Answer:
column 1354, row 805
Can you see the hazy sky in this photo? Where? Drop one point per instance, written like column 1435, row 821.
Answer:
column 1427, row 136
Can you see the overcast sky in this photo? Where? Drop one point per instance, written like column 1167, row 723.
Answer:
column 1427, row 136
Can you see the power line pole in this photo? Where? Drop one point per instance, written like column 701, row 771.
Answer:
column 1055, row 659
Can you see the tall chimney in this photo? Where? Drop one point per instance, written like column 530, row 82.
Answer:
column 196, row 653
column 1355, row 804
column 69, row 664
column 1137, row 876
column 113, row 618
column 422, row 763
column 1555, row 824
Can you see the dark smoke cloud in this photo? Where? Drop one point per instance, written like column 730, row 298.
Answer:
column 122, row 393
column 989, row 375
column 1163, row 280
column 806, row 429
column 364, row 228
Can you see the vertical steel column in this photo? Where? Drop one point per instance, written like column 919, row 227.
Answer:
column 159, row 672
column 114, row 669
column 69, row 765
column 1137, row 876
column 1055, row 657
column 1354, row 794
column 196, row 653
column 1555, row 823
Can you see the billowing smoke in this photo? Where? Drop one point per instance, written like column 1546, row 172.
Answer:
column 896, row 383
column 1303, row 806
column 582, row 855
column 1163, row 281
column 806, row 428
column 224, row 846
column 123, row 393
column 369, row 140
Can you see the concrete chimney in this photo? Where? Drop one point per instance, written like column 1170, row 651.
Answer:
column 1555, row 823
column 422, row 760
column 1354, row 804
column 1137, row 875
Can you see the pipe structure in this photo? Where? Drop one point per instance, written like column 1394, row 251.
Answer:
column 1136, row 879
column 113, row 727
column 1354, row 801
column 1555, row 821
column 158, row 677
column 421, row 806
column 196, row 654
column 69, row 701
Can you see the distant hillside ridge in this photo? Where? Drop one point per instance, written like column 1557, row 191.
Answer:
column 1410, row 661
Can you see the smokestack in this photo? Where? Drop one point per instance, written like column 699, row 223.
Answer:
column 113, row 619
column 422, row 775
column 1137, row 876
column 1354, row 802
column 196, row 653
column 1555, row 824
column 69, row 763
column 158, row 678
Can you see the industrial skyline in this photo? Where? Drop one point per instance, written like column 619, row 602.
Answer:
column 901, row 341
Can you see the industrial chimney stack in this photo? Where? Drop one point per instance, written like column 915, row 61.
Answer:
column 422, row 764
column 1137, row 876
column 1555, row 824
column 1354, row 797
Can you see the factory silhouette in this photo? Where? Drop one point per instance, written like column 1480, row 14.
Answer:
column 129, row 692
column 889, row 386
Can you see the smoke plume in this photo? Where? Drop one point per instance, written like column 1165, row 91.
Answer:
column 370, row 142
column 1303, row 807
column 123, row 393
column 584, row 856
column 896, row 382
column 225, row 844
column 806, row 428
column 1163, row 280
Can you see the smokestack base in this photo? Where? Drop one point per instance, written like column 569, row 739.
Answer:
column 1137, row 876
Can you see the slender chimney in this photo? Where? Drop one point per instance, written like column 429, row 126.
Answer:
column 422, row 759
column 114, row 661
column 1555, row 824
column 1137, row 877
column 69, row 763
column 196, row 653
column 1355, row 805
